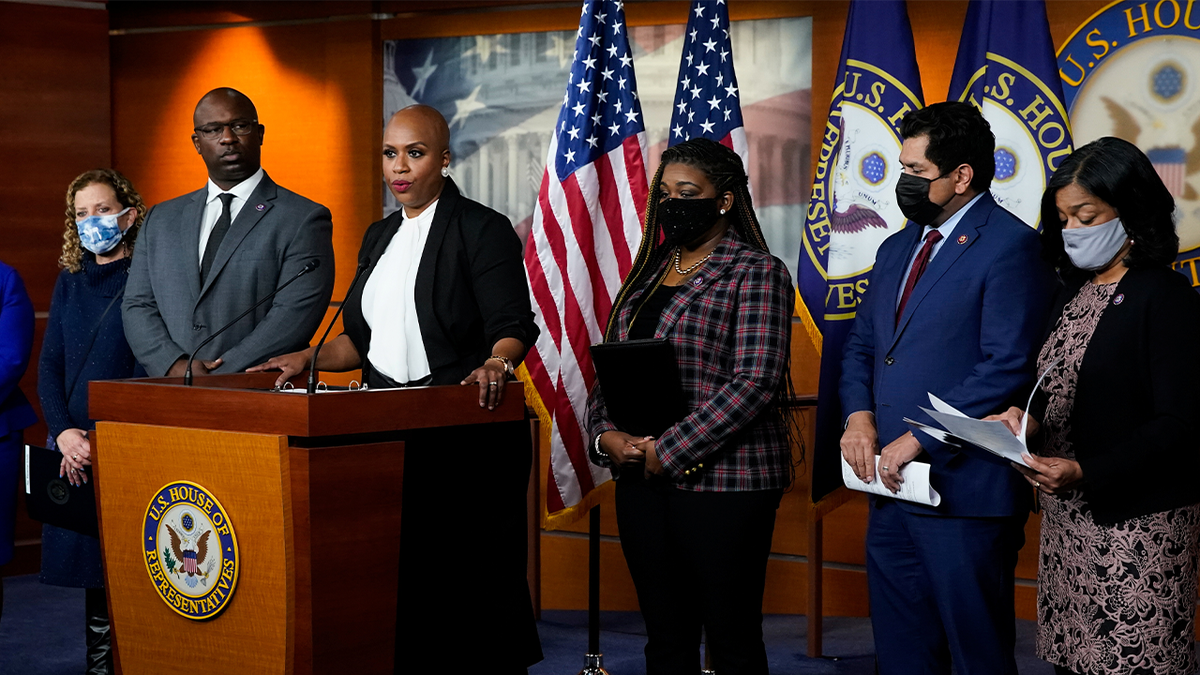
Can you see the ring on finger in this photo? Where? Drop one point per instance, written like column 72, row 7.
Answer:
column 883, row 468
column 493, row 384
column 1037, row 484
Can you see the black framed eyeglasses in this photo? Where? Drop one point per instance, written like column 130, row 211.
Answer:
column 211, row 132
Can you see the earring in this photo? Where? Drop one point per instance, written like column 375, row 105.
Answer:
column 445, row 172
column 722, row 211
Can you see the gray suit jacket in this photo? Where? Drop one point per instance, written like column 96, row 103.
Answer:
column 167, row 312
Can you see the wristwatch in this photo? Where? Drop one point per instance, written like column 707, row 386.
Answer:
column 508, row 366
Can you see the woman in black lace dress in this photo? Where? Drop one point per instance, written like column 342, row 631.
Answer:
column 1119, row 415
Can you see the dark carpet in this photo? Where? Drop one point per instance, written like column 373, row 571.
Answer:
column 41, row 633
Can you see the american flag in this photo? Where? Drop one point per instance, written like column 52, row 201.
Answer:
column 1171, row 165
column 585, row 232
column 706, row 98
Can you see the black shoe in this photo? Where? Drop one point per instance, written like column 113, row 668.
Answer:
column 99, row 635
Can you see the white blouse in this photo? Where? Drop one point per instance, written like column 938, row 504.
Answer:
column 389, row 303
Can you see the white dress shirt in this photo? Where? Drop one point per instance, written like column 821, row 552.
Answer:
column 946, row 228
column 389, row 303
column 212, row 206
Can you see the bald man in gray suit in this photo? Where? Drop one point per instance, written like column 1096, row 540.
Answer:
column 203, row 258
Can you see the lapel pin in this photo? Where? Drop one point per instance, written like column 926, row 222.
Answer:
column 962, row 239
column 1119, row 299
column 260, row 207
column 696, row 281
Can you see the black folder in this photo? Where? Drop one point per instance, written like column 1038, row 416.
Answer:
column 640, row 383
column 54, row 501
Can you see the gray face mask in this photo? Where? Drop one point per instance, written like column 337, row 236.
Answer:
column 1091, row 248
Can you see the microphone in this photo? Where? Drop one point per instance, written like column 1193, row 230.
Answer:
column 187, row 375
column 312, row 366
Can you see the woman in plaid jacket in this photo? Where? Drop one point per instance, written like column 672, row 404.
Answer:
column 696, row 505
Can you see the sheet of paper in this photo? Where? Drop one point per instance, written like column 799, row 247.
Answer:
column 992, row 435
column 915, row 487
column 936, row 433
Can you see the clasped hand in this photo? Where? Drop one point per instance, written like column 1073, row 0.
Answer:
column 860, row 443
column 199, row 367
column 76, row 454
column 1052, row 475
column 626, row 450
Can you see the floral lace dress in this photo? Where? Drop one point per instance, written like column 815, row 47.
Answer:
column 1111, row 598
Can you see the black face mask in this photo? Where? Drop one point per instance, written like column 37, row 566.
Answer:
column 683, row 220
column 912, row 195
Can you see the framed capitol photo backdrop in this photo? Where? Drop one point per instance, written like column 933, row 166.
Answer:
column 501, row 95
column 1132, row 70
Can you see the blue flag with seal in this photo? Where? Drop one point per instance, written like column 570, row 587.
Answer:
column 1006, row 67
column 1130, row 71
column 853, row 204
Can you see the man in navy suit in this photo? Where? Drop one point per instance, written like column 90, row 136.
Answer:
column 955, row 306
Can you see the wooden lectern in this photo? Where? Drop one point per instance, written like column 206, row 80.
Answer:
column 311, row 485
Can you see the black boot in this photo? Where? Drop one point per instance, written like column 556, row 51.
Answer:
column 99, row 637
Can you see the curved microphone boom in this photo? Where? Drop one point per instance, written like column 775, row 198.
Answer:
column 312, row 365
column 187, row 374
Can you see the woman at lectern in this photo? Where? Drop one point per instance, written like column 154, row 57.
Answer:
column 696, row 505
column 1117, row 419
column 85, row 341
column 443, row 300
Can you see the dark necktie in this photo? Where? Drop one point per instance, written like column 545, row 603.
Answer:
column 217, row 234
column 918, row 268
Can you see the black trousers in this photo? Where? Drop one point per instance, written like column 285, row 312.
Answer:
column 463, row 551
column 698, row 560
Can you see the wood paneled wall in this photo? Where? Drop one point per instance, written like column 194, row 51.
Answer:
column 55, row 117
column 314, row 70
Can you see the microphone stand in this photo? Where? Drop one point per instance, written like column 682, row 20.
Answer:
column 187, row 374
column 312, row 366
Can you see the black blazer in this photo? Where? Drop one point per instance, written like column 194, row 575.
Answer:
column 1135, row 425
column 471, row 289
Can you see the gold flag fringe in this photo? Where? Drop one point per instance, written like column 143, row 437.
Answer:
column 571, row 514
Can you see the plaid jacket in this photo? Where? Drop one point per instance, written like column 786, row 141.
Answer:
column 731, row 329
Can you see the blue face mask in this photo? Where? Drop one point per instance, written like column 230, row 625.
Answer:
column 100, row 234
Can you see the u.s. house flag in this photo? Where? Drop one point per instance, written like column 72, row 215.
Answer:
column 586, row 229
column 1006, row 67
column 853, row 205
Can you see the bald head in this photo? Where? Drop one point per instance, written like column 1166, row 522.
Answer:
column 426, row 123
column 416, row 157
column 228, row 136
column 226, row 97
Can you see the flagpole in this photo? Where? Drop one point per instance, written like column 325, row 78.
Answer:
column 593, row 660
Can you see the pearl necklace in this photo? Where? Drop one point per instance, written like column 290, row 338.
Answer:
column 683, row 272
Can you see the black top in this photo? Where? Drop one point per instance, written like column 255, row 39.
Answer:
column 82, row 342
column 1136, row 418
column 651, row 311
column 470, row 290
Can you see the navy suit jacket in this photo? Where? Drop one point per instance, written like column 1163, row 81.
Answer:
column 16, row 341
column 969, row 334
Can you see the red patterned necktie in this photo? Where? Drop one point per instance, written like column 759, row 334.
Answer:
column 918, row 268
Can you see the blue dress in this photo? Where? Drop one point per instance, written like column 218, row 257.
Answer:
column 16, row 340
column 85, row 340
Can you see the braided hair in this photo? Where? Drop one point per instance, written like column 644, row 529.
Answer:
column 724, row 169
